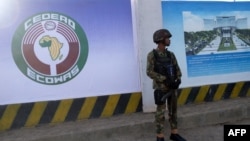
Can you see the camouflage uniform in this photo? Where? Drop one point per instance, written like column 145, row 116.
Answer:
column 159, row 83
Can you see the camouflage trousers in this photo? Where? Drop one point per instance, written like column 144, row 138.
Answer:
column 172, row 113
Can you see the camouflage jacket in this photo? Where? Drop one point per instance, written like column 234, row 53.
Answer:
column 158, row 79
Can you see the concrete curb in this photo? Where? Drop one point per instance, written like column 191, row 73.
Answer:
column 137, row 126
column 214, row 112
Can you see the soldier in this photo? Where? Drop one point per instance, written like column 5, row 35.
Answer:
column 163, row 68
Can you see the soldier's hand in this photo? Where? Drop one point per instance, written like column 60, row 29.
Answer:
column 176, row 84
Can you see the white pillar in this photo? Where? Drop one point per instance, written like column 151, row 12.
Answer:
column 148, row 18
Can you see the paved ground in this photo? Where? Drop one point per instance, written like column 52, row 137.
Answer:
column 199, row 122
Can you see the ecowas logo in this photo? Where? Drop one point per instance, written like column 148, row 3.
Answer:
column 50, row 48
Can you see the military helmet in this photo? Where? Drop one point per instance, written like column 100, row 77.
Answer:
column 161, row 35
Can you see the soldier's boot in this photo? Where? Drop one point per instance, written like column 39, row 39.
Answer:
column 160, row 139
column 176, row 137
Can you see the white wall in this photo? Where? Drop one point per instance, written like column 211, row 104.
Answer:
column 148, row 19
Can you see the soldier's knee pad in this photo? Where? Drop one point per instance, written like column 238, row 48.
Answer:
column 158, row 94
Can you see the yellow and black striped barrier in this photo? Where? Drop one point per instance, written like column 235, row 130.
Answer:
column 32, row 114
column 214, row 92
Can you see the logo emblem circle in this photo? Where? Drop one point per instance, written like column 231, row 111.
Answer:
column 50, row 48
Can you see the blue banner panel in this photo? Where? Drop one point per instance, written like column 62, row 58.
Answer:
column 210, row 39
column 64, row 49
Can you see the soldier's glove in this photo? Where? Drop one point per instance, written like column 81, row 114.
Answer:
column 175, row 84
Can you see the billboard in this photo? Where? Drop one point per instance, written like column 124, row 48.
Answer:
column 63, row 49
column 211, row 40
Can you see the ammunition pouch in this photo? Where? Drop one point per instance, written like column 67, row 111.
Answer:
column 169, row 71
column 164, row 66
